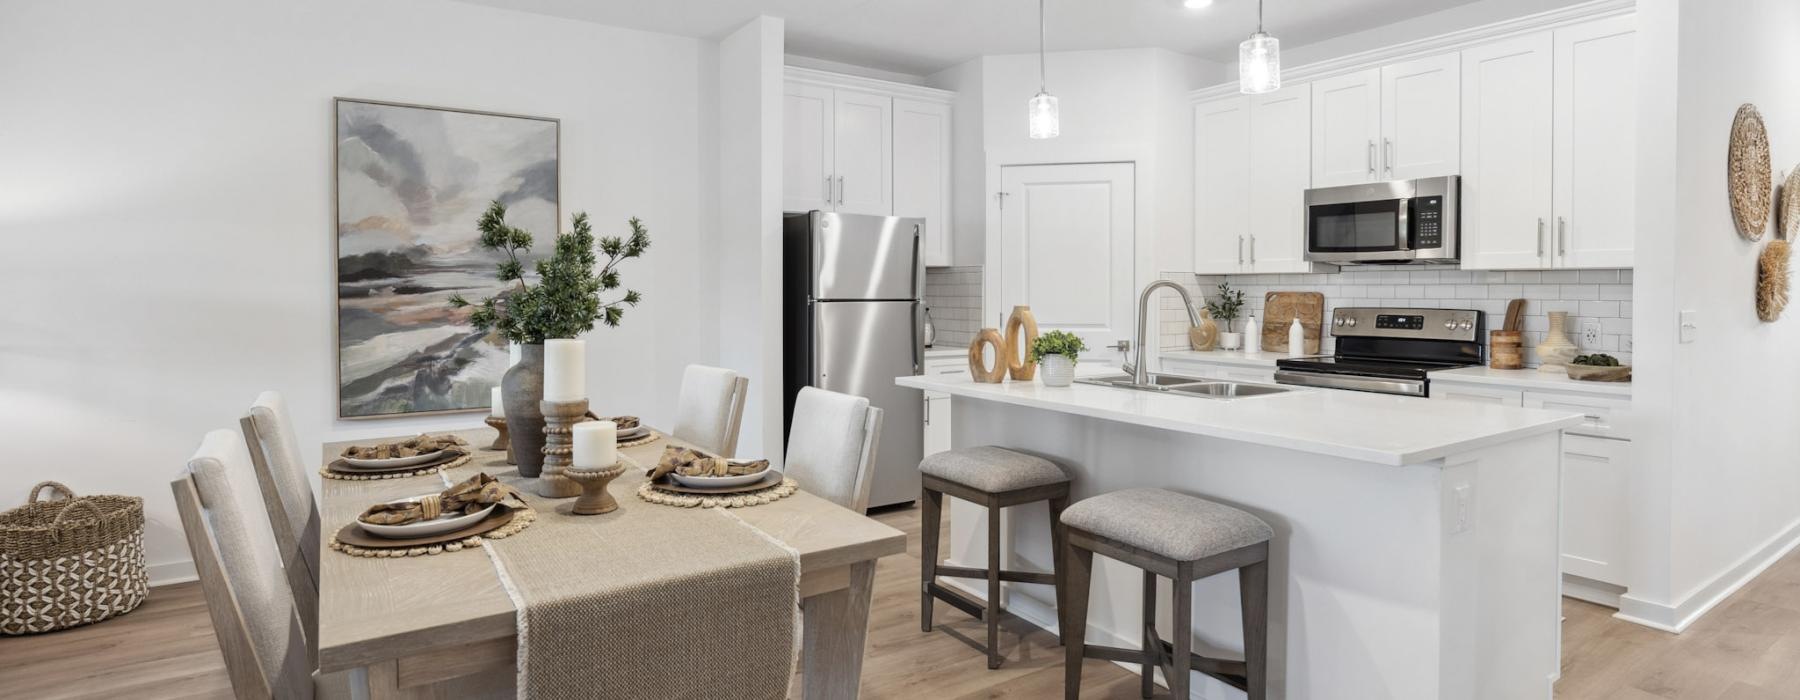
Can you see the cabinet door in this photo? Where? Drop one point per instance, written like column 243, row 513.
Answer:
column 1346, row 126
column 922, row 171
column 1280, row 168
column 1477, row 394
column 862, row 152
column 1506, row 154
column 1421, row 118
column 1594, row 483
column 1596, row 143
column 806, row 150
column 937, row 423
column 1221, row 184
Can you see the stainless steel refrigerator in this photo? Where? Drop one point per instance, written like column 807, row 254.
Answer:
column 853, row 320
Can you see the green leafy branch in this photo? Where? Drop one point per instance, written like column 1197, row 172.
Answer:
column 566, row 300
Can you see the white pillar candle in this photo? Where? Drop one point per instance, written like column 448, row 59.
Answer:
column 596, row 444
column 498, row 402
column 565, row 370
column 514, row 353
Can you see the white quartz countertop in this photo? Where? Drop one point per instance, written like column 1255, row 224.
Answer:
column 1384, row 429
column 1529, row 379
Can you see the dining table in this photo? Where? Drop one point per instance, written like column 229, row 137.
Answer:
column 444, row 626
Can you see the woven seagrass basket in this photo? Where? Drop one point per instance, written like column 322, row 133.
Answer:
column 70, row 562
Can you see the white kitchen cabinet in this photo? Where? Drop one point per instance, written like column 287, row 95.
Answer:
column 937, row 405
column 1595, row 136
column 1421, row 107
column 1346, row 128
column 1477, row 394
column 922, row 171
column 1221, row 184
column 1595, row 487
column 1506, row 154
column 862, row 152
column 1605, row 417
column 807, row 179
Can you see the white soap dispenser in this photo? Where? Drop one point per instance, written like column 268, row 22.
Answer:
column 1296, row 339
column 1252, row 336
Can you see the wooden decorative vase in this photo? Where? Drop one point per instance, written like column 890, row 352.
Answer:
column 978, row 364
column 1018, row 348
column 560, row 418
column 1557, row 350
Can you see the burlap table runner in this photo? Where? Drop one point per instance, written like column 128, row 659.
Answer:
column 649, row 602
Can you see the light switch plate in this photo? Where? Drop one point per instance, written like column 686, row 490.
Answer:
column 1690, row 326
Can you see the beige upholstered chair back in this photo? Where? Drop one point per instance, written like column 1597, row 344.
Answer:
column 287, row 491
column 251, row 606
column 831, row 446
column 711, row 408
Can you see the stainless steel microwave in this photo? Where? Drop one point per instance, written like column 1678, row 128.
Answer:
column 1403, row 221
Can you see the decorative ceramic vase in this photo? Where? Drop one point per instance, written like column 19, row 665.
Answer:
column 522, row 388
column 1206, row 335
column 1059, row 370
column 1231, row 341
column 1557, row 350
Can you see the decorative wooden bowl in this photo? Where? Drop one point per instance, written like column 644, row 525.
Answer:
column 1591, row 373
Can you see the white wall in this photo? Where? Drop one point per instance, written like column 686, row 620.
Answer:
column 165, row 205
column 1721, row 408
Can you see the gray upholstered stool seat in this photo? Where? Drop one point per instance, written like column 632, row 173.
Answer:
column 1173, row 525
column 992, row 469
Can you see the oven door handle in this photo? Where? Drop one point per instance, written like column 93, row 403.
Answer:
column 1403, row 387
column 1405, row 237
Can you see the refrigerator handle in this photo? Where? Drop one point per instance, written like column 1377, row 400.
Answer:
column 918, row 266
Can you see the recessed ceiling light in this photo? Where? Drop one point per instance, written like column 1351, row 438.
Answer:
column 1196, row 4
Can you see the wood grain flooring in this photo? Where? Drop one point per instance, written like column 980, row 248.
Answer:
column 1746, row 649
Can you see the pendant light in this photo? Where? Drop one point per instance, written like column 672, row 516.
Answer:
column 1045, row 122
column 1259, row 60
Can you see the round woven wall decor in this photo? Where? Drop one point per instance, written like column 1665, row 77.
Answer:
column 1772, row 281
column 1748, row 173
column 1788, row 214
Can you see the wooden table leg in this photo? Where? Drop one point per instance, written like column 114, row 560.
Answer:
column 836, row 630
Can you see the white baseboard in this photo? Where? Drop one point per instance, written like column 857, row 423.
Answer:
column 1596, row 592
column 1676, row 618
column 172, row 572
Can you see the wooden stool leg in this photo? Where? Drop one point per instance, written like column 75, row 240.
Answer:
column 993, row 586
column 931, row 505
column 1080, row 565
column 1253, row 587
column 1152, row 646
column 1184, row 638
column 1058, row 537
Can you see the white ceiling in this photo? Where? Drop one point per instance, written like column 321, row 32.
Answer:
column 924, row 36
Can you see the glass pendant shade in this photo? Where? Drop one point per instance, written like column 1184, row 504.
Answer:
column 1259, row 64
column 1044, row 119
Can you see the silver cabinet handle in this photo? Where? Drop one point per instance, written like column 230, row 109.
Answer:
column 1371, row 157
column 1562, row 236
column 1540, row 237
column 827, row 189
column 1387, row 155
column 840, row 200
column 1240, row 250
column 1253, row 250
column 927, row 410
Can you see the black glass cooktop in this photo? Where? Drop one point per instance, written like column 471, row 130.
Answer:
column 1399, row 369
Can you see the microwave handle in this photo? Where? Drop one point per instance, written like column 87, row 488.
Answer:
column 1405, row 237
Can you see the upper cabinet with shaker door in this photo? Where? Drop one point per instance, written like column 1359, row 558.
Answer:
column 1346, row 129
column 1595, row 132
column 1506, row 154
column 1221, row 185
column 863, row 146
column 1420, row 104
column 1252, row 163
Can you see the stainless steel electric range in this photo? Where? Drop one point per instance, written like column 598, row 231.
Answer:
column 1390, row 350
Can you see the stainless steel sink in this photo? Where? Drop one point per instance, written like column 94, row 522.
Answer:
column 1190, row 386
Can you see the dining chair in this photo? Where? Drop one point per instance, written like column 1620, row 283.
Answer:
column 287, row 491
column 253, row 613
column 831, row 446
column 711, row 408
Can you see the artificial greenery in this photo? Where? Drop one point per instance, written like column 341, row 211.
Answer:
column 1230, row 302
column 1598, row 359
column 1057, row 343
column 565, row 302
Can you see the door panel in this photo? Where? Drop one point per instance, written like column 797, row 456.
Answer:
column 806, row 161
column 1506, row 154
column 1594, row 508
column 1596, row 143
column 1346, row 126
column 1421, row 105
column 863, row 152
column 866, row 257
column 861, row 347
column 1221, row 185
column 922, row 172
column 1279, row 172
column 1067, row 249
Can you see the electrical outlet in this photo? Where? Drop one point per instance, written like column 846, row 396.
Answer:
column 1690, row 326
column 1590, row 334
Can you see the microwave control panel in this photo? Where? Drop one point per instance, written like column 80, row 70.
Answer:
column 1427, row 219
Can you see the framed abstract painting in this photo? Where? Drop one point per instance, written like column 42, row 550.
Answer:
column 410, row 182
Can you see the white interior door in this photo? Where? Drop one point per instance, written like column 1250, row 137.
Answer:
column 863, row 151
column 1067, row 249
column 1346, row 124
column 806, row 148
column 1596, row 143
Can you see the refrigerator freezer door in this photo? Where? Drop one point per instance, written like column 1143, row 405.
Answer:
column 856, row 256
column 861, row 347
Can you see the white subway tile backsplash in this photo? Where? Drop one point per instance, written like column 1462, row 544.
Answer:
column 953, row 295
column 1560, row 276
column 1580, row 291
column 1599, row 309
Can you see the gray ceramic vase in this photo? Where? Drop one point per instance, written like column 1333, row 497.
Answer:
column 522, row 388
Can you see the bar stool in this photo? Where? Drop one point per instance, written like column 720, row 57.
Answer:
column 1185, row 539
column 995, row 478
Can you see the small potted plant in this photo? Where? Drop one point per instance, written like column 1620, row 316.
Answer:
column 1055, row 353
column 1226, row 308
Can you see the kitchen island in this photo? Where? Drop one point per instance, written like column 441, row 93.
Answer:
column 1415, row 551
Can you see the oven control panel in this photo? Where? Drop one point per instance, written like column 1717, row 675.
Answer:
column 1464, row 325
column 1411, row 322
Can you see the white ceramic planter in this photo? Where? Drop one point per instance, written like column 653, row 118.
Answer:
column 1231, row 341
column 1056, row 370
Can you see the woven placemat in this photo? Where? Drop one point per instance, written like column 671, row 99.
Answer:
column 521, row 519
column 645, row 439
column 423, row 470
column 649, row 492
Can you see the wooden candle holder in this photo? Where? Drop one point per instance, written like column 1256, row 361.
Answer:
column 560, row 418
column 501, row 440
column 595, row 499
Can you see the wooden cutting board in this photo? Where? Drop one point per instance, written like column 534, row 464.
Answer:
column 1279, row 311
